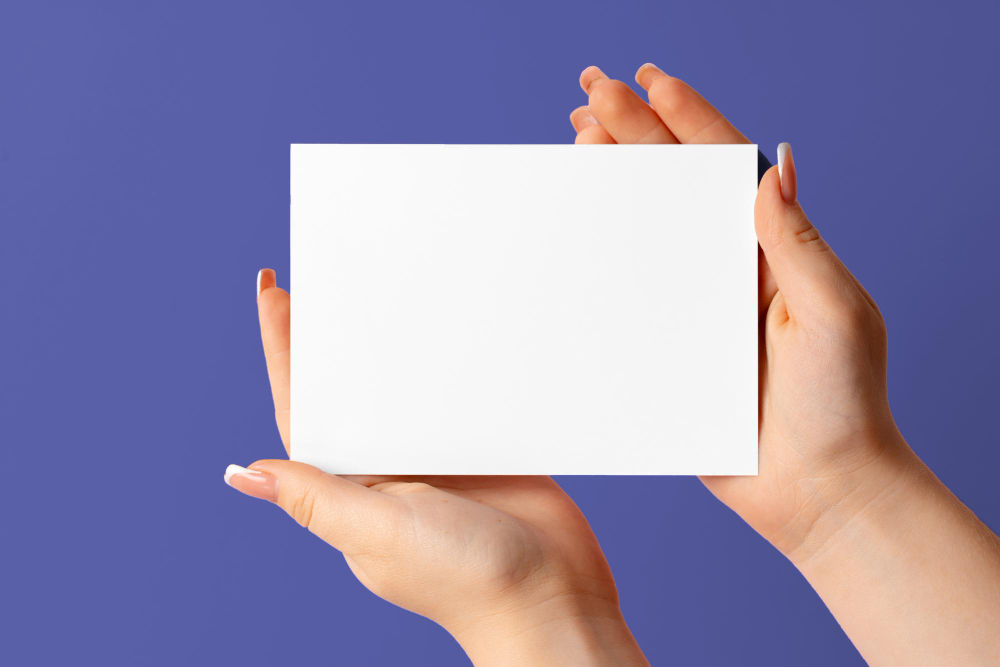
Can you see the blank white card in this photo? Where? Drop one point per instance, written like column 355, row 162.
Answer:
column 524, row 309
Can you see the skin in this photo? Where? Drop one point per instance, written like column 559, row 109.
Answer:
column 510, row 567
column 910, row 573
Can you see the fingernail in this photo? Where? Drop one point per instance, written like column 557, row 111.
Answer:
column 646, row 74
column 581, row 118
column 265, row 279
column 786, row 173
column 253, row 482
column 590, row 76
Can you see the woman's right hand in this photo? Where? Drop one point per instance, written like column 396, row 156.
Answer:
column 888, row 547
column 824, row 413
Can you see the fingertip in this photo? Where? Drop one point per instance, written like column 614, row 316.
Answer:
column 581, row 118
column 594, row 134
column 769, row 183
column 272, row 300
column 590, row 76
column 648, row 73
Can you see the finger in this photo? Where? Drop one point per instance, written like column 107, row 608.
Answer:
column 810, row 277
column 581, row 118
column 589, row 131
column 345, row 515
column 454, row 482
column 621, row 112
column 688, row 115
column 595, row 134
column 274, row 310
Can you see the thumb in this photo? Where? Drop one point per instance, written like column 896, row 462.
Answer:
column 340, row 512
column 810, row 277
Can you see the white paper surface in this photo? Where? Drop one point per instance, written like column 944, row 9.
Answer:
column 524, row 309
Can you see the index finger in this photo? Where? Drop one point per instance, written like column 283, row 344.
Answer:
column 274, row 311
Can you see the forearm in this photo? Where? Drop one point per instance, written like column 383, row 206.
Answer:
column 910, row 573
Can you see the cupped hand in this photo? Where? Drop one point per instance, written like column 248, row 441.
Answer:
column 508, row 565
column 826, row 435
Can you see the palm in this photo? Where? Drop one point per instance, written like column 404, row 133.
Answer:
column 496, row 533
column 809, row 412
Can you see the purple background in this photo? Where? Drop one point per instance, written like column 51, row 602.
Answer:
column 144, row 180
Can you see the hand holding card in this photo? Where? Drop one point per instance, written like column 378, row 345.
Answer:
column 888, row 547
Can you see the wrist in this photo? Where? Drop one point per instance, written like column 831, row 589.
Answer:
column 858, row 504
column 559, row 630
column 899, row 555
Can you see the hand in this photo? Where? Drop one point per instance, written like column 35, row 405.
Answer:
column 508, row 565
column 824, row 412
column 839, row 491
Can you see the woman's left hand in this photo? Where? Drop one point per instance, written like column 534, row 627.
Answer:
column 508, row 565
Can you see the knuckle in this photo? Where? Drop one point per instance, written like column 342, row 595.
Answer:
column 801, row 230
column 797, row 230
column 804, row 231
column 808, row 236
column 303, row 507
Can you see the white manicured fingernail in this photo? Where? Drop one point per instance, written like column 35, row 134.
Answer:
column 234, row 469
column 252, row 482
column 787, row 177
column 259, row 274
column 783, row 149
